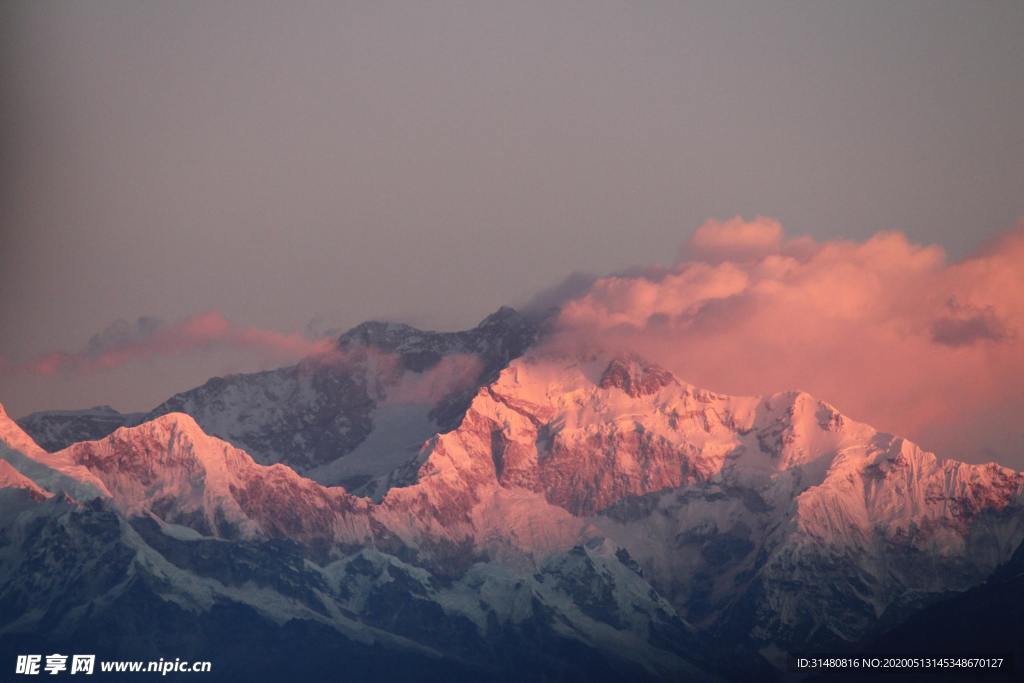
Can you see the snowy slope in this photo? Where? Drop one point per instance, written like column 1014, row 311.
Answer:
column 777, row 517
column 171, row 467
column 599, row 494
column 87, row 575
column 49, row 471
column 387, row 385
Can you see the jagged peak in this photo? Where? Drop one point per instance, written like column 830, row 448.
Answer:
column 797, row 401
column 181, row 426
column 181, row 421
column 149, row 440
column 635, row 376
column 376, row 333
column 387, row 333
column 503, row 316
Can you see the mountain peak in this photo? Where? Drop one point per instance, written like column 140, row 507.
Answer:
column 635, row 376
column 391, row 335
column 502, row 316
column 175, row 420
column 173, row 430
column 377, row 333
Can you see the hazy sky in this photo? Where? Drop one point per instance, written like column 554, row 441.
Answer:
column 431, row 161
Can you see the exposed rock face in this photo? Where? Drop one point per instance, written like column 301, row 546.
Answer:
column 635, row 377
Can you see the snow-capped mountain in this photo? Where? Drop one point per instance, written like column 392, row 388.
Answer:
column 358, row 414
column 170, row 467
column 194, row 534
column 50, row 472
column 774, row 517
column 594, row 499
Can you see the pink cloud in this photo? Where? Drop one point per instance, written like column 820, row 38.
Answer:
column 124, row 342
column 451, row 374
column 887, row 330
column 393, row 382
column 734, row 239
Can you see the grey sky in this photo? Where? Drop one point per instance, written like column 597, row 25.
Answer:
column 430, row 161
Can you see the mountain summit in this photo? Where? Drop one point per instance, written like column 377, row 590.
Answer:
column 384, row 390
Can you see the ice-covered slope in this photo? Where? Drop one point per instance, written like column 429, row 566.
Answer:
column 588, row 434
column 49, row 471
column 777, row 517
column 170, row 467
column 96, row 576
column 357, row 415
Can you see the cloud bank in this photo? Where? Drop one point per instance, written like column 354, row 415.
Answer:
column 123, row 342
column 888, row 331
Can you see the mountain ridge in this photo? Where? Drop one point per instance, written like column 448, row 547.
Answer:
column 776, row 523
column 762, row 494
